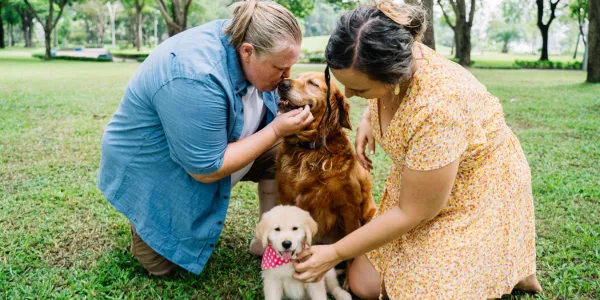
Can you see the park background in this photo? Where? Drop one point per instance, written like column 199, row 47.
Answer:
column 64, row 65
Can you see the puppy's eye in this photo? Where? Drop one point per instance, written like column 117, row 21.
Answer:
column 313, row 83
column 277, row 229
column 295, row 228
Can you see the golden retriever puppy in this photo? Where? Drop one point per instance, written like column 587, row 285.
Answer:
column 285, row 231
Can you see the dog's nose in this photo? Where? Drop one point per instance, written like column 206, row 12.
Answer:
column 286, row 244
column 285, row 85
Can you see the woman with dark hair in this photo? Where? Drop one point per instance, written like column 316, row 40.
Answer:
column 456, row 219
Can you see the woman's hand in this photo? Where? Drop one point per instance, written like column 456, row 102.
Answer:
column 292, row 122
column 320, row 260
column 364, row 139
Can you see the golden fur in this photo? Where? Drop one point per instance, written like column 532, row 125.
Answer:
column 335, row 189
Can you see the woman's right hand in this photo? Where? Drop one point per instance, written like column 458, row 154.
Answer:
column 292, row 121
column 364, row 140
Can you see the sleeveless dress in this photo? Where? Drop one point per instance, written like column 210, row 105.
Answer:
column 483, row 242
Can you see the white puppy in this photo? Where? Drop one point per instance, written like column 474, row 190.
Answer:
column 285, row 231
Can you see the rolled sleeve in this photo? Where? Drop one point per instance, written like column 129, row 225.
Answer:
column 194, row 117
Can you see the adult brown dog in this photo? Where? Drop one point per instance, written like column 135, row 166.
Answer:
column 322, row 176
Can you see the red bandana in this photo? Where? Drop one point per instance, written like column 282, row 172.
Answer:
column 271, row 259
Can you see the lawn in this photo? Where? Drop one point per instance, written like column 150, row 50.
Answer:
column 60, row 238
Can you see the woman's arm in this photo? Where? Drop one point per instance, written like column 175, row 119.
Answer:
column 241, row 153
column 423, row 194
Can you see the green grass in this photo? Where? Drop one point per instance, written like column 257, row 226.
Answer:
column 59, row 237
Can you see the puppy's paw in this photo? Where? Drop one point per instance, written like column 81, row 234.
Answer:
column 341, row 294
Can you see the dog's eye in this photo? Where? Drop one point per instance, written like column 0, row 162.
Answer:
column 277, row 229
column 313, row 83
column 295, row 228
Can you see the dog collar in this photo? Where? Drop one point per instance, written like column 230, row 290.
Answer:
column 271, row 259
column 308, row 145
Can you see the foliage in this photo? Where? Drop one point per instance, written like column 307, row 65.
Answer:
column 548, row 64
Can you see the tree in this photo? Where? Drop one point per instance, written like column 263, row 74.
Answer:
column 11, row 18
column 429, row 36
column 579, row 9
column 176, row 16
column 303, row 8
column 95, row 12
column 26, row 23
column 50, row 22
column 544, row 28
column 461, row 28
column 113, row 8
column 593, row 69
column 138, row 7
column 2, row 3
column 508, row 29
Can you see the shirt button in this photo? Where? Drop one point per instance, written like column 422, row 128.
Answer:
column 225, row 197
column 211, row 245
column 220, row 223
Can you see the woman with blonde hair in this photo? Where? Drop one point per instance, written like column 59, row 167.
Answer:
column 456, row 218
column 198, row 116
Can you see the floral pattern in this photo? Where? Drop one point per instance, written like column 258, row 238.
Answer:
column 483, row 242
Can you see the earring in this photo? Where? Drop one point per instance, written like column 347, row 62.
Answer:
column 397, row 89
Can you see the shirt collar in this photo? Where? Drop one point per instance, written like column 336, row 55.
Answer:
column 236, row 75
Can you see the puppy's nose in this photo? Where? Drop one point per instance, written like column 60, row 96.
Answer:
column 285, row 85
column 286, row 244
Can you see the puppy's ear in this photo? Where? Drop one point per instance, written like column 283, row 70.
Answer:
column 343, row 110
column 262, row 229
column 311, row 228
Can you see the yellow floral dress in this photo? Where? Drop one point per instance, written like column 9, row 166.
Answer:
column 483, row 242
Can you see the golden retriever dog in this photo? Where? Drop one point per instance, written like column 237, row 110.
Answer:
column 317, row 169
column 285, row 231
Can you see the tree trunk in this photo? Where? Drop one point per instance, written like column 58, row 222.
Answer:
column 576, row 47
column 544, row 30
column 462, row 29
column 429, row 38
column 465, row 47
column 11, row 31
column 2, row 45
column 26, row 26
column 29, row 35
column 176, row 18
column 505, row 47
column 47, row 39
column 593, row 42
column 138, row 24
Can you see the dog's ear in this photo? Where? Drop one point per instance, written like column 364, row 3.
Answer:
column 343, row 110
column 311, row 228
column 262, row 229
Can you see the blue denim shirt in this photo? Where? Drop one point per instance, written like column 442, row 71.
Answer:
column 180, row 110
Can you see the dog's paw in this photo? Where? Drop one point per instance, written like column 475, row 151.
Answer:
column 341, row 294
column 346, row 284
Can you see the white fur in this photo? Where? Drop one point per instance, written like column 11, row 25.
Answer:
column 279, row 282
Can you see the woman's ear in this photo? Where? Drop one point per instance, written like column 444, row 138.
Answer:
column 262, row 229
column 246, row 50
column 343, row 110
column 311, row 228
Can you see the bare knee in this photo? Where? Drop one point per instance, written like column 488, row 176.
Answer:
column 362, row 286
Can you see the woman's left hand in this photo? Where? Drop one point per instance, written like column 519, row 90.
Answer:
column 320, row 260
